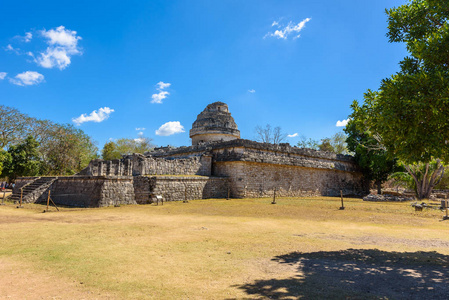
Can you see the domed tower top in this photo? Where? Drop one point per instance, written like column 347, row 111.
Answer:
column 214, row 123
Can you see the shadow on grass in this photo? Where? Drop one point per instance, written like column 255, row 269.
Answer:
column 358, row 274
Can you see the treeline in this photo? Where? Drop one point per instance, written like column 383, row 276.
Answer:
column 115, row 149
column 32, row 147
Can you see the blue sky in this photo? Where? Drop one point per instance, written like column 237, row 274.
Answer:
column 113, row 68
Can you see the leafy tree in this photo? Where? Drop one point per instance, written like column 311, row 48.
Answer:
column 5, row 159
column 308, row 143
column 67, row 150
column 24, row 160
column 338, row 143
column 123, row 146
column 374, row 161
column 270, row 135
column 325, row 145
column 409, row 114
column 110, row 152
column 14, row 126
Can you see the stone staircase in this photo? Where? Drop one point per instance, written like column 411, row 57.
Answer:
column 33, row 190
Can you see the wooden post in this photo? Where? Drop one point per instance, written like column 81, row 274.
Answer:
column 274, row 197
column 342, row 205
column 229, row 192
column 446, row 217
column 21, row 194
column 48, row 199
column 185, row 194
column 54, row 204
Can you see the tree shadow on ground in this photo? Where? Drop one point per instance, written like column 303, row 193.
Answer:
column 358, row 274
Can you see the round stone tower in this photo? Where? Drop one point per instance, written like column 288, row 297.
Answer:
column 214, row 123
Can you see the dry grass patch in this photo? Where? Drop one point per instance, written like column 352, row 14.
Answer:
column 207, row 249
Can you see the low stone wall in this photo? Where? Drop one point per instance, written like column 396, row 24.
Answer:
column 138, row 164
column 195, row 165
column 179, row 188
column 92, row 191
column 250, row 179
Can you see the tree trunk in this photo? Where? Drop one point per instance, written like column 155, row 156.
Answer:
column 379, row 187
column 428, row 180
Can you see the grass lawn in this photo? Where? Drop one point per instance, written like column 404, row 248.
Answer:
column 225, row 249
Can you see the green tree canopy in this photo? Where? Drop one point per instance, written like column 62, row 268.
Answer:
column 14, row 126
column 409, row 114
column 375, row 162
column 24, row 160
column 123, row 146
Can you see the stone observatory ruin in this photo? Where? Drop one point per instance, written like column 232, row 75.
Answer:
column 214, row 124
column 218, row 164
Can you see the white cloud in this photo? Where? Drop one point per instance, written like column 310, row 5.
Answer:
column 140, row 128
column 342, row 123
column 27, row 78
column 252, row 91
column 170, row 128
column 139, row 140
column 275, row 23
column 2, row 75
column 160, row 86
column 61, row 37
column 157, row 98
column 63, row 44
column 95, row 116
column 291, row 28
column 293, row 135
column 12, row 49
column 26, row 38
column 54, row 57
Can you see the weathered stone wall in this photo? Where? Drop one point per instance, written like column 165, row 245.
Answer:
column 195, row 165
column 331, row 162
column 251, row 179
column 117, row 190
column 211, row 137
column 179, row 188
column 138, row 164
column 91, row 191
column 142, row 191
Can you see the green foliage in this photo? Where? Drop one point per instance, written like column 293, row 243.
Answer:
column 335, row 144
column 308, row 143
column 115, row 150
column 326, row 145
column 374, row 161
column 62, row 149
column 410, row 110
column 423, row 26
column 419, row 170
column 338, row 143
column 444, row 183
column 14, row 126
column 409, row 114
column 24, row 160
column 110, row 152
column 67, row 150
column 5, row 159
